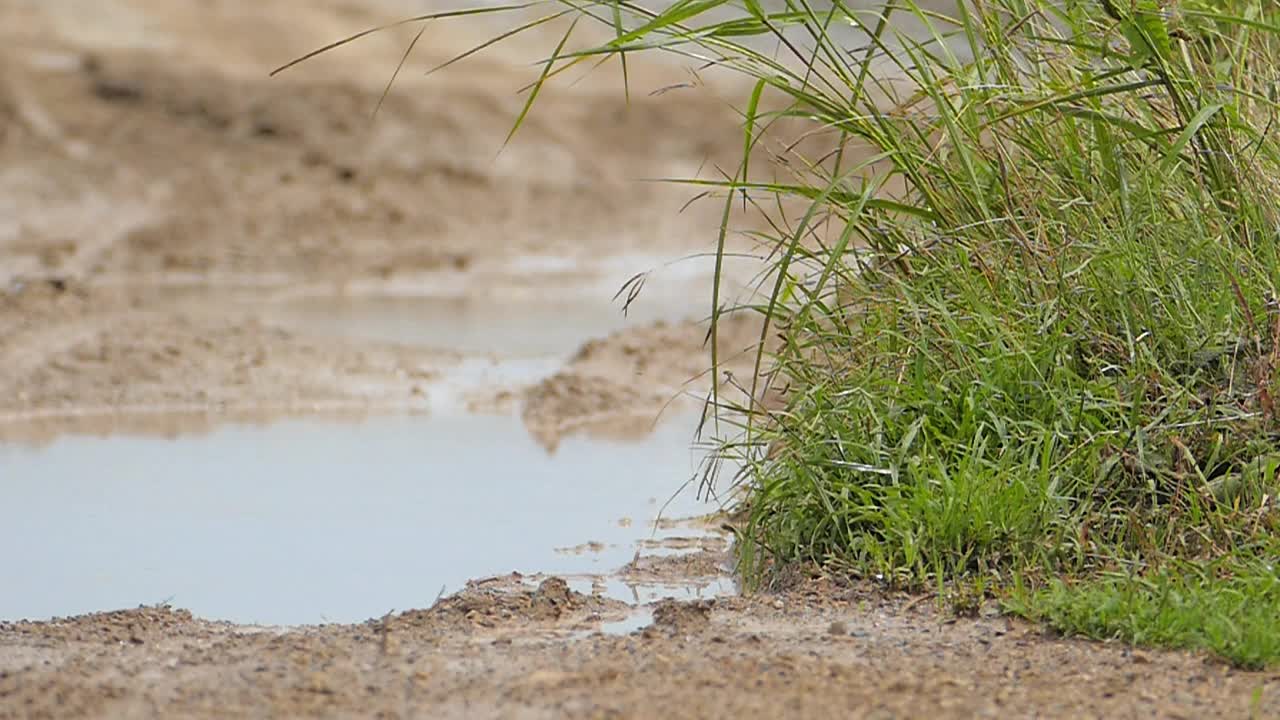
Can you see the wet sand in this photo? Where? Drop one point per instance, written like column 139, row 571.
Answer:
column 816, row 650
column 162, row 202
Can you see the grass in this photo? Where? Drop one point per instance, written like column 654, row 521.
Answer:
column 1188, row 606
column 1026, row 320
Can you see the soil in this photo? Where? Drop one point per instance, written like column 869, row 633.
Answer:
column 505, row 649
column 158, row 190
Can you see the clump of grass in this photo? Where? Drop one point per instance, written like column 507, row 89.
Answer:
column 1026, row 319
column 1043, row 342
column 1054, row 354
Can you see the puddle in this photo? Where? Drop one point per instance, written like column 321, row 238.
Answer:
column 456, row 324
column 309, row 522
column 646, row 593
column 476, row 377
column 638, row 620
column 546, row 319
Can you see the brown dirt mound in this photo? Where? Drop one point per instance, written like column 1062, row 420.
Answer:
column 79, row 357
column 136, row 626
column 504, row 602
column 627, row 379
column 682, row 618
column 683, row 567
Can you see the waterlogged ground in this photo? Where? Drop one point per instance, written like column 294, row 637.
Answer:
column 347, row 409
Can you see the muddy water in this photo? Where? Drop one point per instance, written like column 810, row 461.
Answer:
column 537, row 307
column 307, row 522
column 466, row 325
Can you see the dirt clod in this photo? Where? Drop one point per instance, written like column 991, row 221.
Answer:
column 503, row 602
column 553, row 598
column 136, row 626
column 116, row 91
column 682, row 617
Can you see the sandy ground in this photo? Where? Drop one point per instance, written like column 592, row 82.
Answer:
column 161, row 198
column 504, row 649
column 158, row 191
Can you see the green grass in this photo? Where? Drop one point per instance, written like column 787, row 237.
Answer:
column 1026, row 318
column 1233, row 614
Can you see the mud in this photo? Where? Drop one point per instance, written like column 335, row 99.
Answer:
column 623, row 381
column 165, row 207
column 503, row 650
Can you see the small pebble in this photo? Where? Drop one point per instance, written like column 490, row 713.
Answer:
column 838, row 628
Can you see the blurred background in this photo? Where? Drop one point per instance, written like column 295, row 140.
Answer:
column 183, row 236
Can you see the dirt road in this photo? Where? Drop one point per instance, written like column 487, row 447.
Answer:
column 172, row 224
column 818, row 650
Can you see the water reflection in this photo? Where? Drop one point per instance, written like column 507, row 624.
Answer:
column 306, row 522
